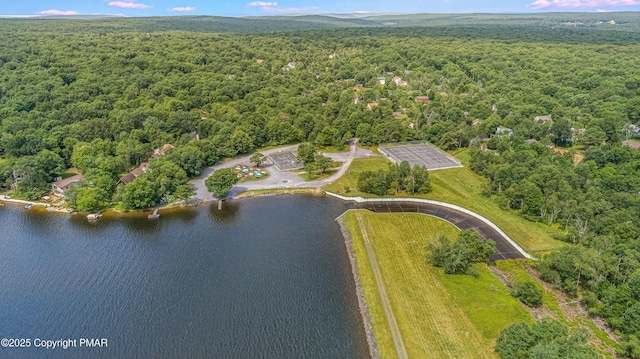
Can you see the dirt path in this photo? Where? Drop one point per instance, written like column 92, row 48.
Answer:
column 393, row 325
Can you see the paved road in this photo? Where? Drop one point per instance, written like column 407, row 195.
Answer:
column 504, row 249
column 276, row 178
column 386, row 305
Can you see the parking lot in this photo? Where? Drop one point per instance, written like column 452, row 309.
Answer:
column 419, row 154
column 285, row 161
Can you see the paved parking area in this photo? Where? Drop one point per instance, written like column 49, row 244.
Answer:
column 285, row 161
column 419, row 154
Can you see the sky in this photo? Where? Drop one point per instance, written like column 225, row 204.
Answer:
column 279, row 7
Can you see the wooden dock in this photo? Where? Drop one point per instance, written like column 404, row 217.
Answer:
column 155, row 214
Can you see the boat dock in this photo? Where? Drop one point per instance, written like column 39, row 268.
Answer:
column 155, row 214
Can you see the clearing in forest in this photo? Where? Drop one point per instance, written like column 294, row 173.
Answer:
column 438, row 315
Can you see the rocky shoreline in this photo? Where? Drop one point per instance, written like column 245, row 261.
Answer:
column 364, row 309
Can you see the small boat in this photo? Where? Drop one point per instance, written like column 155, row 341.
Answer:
column 28, row 206
column 93, row 217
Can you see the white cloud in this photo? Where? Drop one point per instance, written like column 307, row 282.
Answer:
column 57, row 12
column 262, row 4
column 128, row 5
column 542, row 4
column 272, row 6
column 186, row 8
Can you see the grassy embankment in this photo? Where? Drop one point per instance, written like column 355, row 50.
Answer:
column 462, row 187
column 439, row 315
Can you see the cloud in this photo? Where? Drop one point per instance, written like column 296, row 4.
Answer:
column 272, row 6
column 57, row 12
column 262, row 4
column 128, row 5
column 186, row 8
column 543, row 4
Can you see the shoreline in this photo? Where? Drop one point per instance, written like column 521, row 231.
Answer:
column 179, row 206
column 362, row 304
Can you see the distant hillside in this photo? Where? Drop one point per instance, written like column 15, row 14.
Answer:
column 624, row 21
column 613, row 21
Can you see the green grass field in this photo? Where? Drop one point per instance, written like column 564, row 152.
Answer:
column 439, row 315
column 350, row 178
column 332, row 149
column 462, row 187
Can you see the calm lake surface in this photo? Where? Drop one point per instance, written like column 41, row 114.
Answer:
column 264, row 278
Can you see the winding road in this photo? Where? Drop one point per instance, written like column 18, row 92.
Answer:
column 506, row 248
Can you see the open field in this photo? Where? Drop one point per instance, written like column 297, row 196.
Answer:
column 350, row 178
column 462, row 187
column 317, row 177
column 332, row 149
column 439, row 316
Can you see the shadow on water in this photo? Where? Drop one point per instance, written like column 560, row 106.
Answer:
column 229, row 214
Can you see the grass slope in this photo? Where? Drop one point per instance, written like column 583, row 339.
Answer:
column 462, row 187
column 439, row 316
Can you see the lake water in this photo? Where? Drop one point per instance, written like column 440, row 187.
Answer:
column 264, row 278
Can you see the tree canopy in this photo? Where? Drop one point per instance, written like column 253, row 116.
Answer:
column 457, row 256
column 221, row 182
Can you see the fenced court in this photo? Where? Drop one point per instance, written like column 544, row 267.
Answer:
column 419, row 153
column 285, row 161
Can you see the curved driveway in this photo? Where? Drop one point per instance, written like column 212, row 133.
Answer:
column 276, row 178
column 460, row 217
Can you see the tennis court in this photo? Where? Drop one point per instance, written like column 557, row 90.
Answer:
column 285, row 161
column 419, row 154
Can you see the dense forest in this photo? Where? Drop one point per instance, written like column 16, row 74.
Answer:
column 103, row 100
column 622, row 22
